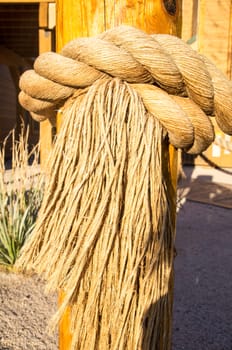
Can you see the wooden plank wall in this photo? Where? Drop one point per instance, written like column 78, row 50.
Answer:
column 45, row 44
column 215, row 32
column 25, row 29
column 207, row 26
column 189, row 19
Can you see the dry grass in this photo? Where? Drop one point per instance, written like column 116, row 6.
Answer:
column 20, row 195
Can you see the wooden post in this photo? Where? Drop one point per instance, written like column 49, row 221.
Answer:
column 189, row 23
column 45, row 44
column 78, row 18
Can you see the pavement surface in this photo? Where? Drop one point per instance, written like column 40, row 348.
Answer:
column 203, row 266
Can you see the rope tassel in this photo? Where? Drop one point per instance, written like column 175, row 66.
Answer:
column 160, row 63
column 105, row 232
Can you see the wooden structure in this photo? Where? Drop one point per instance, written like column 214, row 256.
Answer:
column 26, row 30
column 91, row 18
column 214, row 39
column 207, row 26
column 215, row 33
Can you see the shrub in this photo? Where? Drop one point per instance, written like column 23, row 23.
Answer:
column 21, row 189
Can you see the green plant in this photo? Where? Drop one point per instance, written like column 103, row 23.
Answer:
column 21, row 189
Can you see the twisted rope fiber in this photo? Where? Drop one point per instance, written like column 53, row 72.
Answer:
column 105, row 233
column 153, row 62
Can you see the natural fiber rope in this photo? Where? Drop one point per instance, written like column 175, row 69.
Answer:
column 105, row 233
column 155, row 63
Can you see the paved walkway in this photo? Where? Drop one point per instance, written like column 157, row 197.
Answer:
column 203, row 266
column 207, row 185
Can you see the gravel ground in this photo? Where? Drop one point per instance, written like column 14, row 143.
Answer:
column 203, row 290
column 24, row 314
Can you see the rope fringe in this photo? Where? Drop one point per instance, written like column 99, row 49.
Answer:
column 106, row 229
column 104, row 234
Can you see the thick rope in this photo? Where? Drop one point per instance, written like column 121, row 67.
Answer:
column 105, row 233
column 160, row 64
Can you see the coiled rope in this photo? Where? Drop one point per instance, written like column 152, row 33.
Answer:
column 178, row 87
column 105, row 232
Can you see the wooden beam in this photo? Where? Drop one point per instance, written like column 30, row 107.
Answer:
column 45, row 42
column 43, row 14
column 91, row 17
column 189, row 23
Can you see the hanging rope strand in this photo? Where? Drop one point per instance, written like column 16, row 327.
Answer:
column 105, row 232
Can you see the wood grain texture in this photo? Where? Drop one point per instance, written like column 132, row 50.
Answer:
column 88, row 18
column 215, row 32
column 45, row 42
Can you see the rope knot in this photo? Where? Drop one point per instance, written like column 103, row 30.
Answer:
column 178, row 86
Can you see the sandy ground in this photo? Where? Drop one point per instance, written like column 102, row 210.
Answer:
column 24, row 314
column 203, row 290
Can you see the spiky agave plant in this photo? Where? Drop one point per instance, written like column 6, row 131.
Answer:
column 21, row 189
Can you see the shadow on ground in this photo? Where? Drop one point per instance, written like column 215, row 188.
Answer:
column 203, row 268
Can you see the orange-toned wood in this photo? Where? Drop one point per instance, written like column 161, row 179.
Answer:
column 43, row 14
column 45, row 43
column 215, row 32
column 91, row 17
column 189, row 23
column 65, row 336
